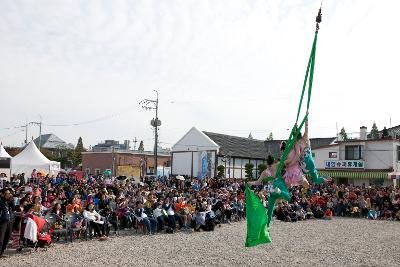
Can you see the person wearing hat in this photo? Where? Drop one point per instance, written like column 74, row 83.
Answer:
column 6, row 217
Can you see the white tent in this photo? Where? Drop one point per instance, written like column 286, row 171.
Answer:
column 5, row 162
column 31, row 158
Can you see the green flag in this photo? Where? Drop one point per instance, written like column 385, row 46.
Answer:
column 257, row 230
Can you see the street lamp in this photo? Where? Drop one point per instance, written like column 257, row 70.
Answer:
column 149, row 104
column 225, row 159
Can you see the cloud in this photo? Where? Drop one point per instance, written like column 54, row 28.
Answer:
column 230, row 66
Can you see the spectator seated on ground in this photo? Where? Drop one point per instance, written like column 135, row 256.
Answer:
column 161, row 216
column 172, row 215
column 309, row 214
column 282, row 213
column 141, row 216
column 202, row 222
column 328, row 214
column 355, row 211
column 318, row 213
column 372, row 214
column 182, row 209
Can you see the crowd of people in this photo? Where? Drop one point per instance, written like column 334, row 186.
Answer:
column 163, row 205
column 327, row 200
column 169, row 204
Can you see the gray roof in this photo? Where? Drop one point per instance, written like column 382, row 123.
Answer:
column 235, row 146
column 238, row 146
column 52, row 141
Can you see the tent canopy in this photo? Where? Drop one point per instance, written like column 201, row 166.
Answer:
column 31, row 158
column 3, row 152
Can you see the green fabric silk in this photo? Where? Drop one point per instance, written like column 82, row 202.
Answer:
column 257, row 221
column 257, row 230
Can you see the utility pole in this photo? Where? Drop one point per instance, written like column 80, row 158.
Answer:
column 40, row 132
column 26, row 133
column 149, row 104
column 134, row 142
column 113, row 160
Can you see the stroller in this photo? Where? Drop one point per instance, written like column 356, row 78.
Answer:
column 36, row 232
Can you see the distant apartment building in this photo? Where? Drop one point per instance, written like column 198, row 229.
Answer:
column 109, row 145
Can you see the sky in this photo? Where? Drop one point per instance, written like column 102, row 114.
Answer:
column 225, row 66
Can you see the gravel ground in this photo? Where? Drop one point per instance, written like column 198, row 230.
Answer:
column 340, row 242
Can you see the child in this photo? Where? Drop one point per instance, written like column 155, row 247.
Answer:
column 328, row 214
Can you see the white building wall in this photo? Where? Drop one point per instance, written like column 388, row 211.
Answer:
column 322, row 154
column 379, row 155
column 396, row 158
column 195, row 140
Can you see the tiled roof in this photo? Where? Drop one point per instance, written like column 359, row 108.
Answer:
column 252, row 148
column 238, row 146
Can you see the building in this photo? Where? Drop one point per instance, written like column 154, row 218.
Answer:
column 52, row 142
column 123, row 163
column 360, row 161
column 197, row 153
column 109, row 145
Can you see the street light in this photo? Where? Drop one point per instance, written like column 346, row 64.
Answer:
column 225, row 159
column 149, row 104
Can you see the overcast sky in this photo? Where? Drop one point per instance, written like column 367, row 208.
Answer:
column 230, row 67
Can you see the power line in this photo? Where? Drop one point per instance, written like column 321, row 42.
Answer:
column 109, row 116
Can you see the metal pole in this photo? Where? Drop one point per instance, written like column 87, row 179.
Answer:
column 26, row 133
column 112, row 161
column 40, row 132
column 156, row 137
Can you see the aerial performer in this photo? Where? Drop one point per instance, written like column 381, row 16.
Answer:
column 268, row 174
column 296, row 154
column 306, row 160
column 294, row 175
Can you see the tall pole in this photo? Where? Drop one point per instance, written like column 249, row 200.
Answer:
column 149, row 104
column 113, row 159
column 156, row 137
column 40, row 132
column 26, row 133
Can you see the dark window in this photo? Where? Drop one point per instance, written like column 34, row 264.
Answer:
column 353, row 152
column 332, row 155
column 5, row 163
column 398, row 153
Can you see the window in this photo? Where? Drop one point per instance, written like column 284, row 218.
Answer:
column 332, row 155
column 398, row 153
column 87, row 170
column 96, row 172
column 238, row 163
column 354, row 152
column 244, row 162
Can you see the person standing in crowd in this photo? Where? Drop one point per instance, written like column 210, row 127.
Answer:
column 6, row 218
